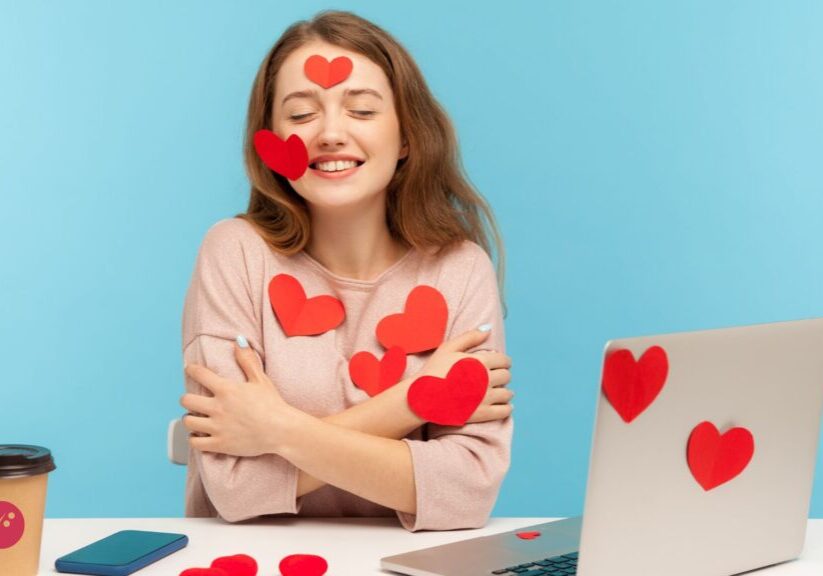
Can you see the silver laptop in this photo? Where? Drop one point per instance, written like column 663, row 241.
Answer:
column 646, row 513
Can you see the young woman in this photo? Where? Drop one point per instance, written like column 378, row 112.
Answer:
column 278, row 425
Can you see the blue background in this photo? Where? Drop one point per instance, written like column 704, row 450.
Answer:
column 655, row 167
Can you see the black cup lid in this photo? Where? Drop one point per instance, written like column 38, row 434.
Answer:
column 23, row 460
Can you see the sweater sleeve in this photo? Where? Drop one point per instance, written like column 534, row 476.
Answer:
column 458, row 470
column 220, row 304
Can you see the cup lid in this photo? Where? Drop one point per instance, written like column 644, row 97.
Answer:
column 24, row 460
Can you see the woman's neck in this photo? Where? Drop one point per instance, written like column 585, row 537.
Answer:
column 354, row 243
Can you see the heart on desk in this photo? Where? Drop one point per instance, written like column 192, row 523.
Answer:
column 450, row 401
column 372, row 375
column 237, row 565
column 632, row 385
column 422, row 324
column 204, row 572
column 528, row 535
column 716, row 458
column 301, row 316
column 303, row 565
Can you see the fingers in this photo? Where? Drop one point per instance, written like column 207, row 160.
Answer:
column 499, row 377
column 203, row 443
column 498, row 396
column 197, row 403
column 493, row 360
column 205, row 377
column 198, row 424
column 466, row 341
column 248, row 360
column 492, row 412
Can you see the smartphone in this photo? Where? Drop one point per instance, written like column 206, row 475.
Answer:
column 121, row 553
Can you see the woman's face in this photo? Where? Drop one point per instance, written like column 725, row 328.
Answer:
column 351, row 129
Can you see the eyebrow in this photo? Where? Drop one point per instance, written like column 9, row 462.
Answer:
column 349, row 92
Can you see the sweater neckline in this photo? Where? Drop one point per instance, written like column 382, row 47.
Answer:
column 354, row 282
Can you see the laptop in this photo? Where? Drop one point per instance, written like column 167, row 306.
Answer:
column 702, row 462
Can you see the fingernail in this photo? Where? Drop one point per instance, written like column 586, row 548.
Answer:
column 485, row 327
column 242, row 342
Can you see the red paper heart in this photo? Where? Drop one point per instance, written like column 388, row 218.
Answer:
column 289, row 158
column 528, row 535
column 303, row 565
column 237, row 565
column 204, row 572
column 631, row 386
column 372, row 375
column 422, row 324
column 301, row 316
column 325, row 73
column 450, row 401
column 714, row 458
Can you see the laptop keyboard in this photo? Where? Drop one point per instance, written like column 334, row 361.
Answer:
column 554, row 566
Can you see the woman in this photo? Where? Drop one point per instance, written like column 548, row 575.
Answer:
column 381, row 209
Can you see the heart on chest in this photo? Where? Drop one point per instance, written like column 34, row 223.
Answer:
column 299, row 315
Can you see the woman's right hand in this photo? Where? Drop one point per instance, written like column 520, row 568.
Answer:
column 496, row 404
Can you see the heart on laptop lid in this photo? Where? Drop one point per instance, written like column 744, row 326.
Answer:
column 632, row 385
column 716, row 458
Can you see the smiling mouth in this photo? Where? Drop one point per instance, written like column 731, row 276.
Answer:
column 333, row 166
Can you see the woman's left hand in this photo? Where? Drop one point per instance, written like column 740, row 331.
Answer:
column 242, row 418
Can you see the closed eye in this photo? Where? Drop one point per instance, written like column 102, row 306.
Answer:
column 364, row 113
column 298, row 117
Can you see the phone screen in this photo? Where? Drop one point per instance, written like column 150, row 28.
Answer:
column 122, row 548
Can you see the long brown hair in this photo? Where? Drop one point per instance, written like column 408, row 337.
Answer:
column 429, row 201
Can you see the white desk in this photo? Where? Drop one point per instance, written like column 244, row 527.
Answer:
column 352, row 546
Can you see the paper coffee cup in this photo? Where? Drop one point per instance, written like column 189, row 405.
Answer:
column 23, row 477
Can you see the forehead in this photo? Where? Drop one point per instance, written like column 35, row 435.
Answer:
column 364, row 74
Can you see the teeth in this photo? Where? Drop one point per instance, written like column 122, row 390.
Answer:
column 336, row 166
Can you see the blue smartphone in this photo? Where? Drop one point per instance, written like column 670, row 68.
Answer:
column 121, row 553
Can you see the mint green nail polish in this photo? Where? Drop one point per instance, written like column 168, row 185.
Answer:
column 485, row 327
column 242, row 342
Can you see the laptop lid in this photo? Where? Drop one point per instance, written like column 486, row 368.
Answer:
column 666, row 497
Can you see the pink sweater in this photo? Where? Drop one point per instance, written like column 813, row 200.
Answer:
column 457, row 471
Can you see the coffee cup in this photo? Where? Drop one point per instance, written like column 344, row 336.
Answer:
column 23, row 478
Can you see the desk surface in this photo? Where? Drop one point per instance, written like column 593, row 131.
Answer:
column 352, row 546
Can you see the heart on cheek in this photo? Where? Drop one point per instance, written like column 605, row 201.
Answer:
column 289, row 158
column 303, row 565
column 325, row 73
column 372, row 375
column 450, row 401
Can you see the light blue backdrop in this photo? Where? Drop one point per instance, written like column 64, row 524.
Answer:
column 655, row 167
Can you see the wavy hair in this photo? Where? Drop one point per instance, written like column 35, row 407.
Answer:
column 429, row 201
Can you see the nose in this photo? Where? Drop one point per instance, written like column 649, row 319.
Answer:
column 333, row 132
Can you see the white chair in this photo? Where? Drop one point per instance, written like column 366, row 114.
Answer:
column 178, row 442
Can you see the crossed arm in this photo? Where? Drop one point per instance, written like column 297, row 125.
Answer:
column 358, row 450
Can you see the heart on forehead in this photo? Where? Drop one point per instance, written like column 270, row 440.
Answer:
column 716, row 458
column 632, row 385
column 325, row 73
column 450, row 401
column 289, row 158
column 303, row 565
column 301, row 316
column 372, row 375
column 420, row 327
